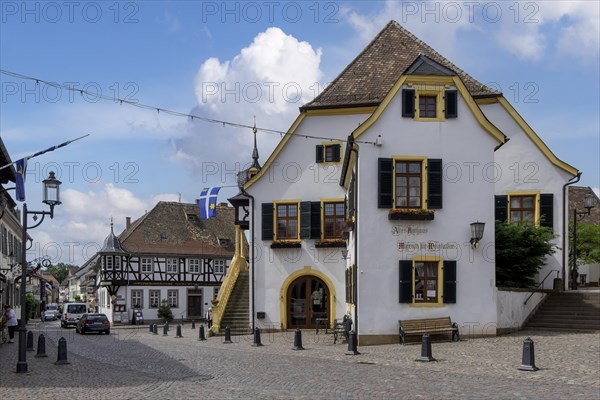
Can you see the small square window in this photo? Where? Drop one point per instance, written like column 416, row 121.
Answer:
column 427, row 106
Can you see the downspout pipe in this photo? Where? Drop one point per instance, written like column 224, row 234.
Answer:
column 356, row 196
column 252, row 258
column 565, row 236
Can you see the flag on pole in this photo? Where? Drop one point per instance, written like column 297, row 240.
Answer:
column 208, row 202
column 21, row 168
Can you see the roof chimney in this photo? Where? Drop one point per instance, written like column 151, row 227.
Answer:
column 127, row 222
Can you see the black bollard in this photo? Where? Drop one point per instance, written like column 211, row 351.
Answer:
column 41, row 348
column 298, row 340
column 150, row 328
column 528, row 363
column 61, row 357
column 426, row 349
column 257, row 342
column 178, row 334
column 201, row 333
column 165, row 330
column 352, row 343
column 182, row 320
column 30, row 341
column 155, row 329
column 227, row 335
column 193, row 324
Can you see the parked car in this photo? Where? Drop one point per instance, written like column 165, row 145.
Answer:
column 49, row 315
column 72, row 312
column 93, row 323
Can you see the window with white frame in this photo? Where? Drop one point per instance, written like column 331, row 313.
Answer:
column 195, row 266
column 108, row 262
column 154, row 296
column 137, row 299
column 219, row 266
column 172, row 265
column 146, row 264
column 117, row 262
column 173, row 298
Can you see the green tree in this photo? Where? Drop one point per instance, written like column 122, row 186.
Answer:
column 60, row 271
column 30, row 306
column 164, row 311
column 588, row 243
column 521, row 250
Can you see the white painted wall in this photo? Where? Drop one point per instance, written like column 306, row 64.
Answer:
column 512, row 312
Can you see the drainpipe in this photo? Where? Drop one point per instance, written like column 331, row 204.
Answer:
column 355, row 150
column 564, row 227
column 252, row 257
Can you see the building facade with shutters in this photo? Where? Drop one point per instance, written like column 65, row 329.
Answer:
column 367, row 204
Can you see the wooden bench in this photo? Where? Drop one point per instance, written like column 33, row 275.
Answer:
column 432, row 326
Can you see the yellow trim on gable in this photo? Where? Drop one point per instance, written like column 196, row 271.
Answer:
column 486, row 100
column 342, row 111
column 306, row 271
column 536, row 139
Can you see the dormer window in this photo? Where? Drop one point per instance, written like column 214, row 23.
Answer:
column 429, row 103
column 427, row 106
column 224, row 242
column 191, row 217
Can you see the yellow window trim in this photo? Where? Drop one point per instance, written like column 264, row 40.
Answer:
column 323, row 201
column 536, row 202
column 330, row 143
column 440, row 280
column 439, row 103
column 424, row 166
column 276, row 225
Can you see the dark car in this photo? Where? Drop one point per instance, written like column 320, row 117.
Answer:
column 93, row 323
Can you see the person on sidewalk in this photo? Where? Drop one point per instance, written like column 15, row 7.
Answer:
column 11, row 322
column 209, row 317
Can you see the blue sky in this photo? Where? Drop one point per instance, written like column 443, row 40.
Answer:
column 236, row 61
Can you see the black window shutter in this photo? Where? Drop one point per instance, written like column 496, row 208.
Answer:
column 315, row 220
column 305, row 218
column 385, row 184
column 434, row 183
column 451, row 103
column 320, row 153
column 337, row 150
column 501, row 208
column 405, row 283
column 547, row 210
column 449, row 282
column 267, row 221
column 408, row 103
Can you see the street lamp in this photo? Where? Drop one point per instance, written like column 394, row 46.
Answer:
column 589, row 203
column 51, row 197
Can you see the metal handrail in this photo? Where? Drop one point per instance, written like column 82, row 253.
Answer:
column 541, row 283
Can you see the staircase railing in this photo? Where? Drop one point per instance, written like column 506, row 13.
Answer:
column 238, row 264
column 540, row 284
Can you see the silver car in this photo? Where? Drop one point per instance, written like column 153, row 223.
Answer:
column 93, row 323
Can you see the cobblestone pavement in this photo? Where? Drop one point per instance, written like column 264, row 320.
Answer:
column 135, row 364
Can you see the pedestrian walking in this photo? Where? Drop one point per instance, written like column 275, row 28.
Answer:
column 208, row 317
column 11, row 322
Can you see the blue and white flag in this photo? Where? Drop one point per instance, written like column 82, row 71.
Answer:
column 20, row 181
column 208, row 202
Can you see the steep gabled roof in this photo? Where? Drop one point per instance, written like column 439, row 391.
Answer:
column 576, row 196
column 176, row 228
column 371, row 75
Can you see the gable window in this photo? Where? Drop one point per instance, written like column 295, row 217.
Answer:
column 428, row 103
column 522, row 209
column 146, row 264
column 173, row 298
column 286, row 221
column 219, row 266
column 427, row 280
column 154, row 296
column 329, row 152
column 194, row 266
column 408, row 182
column 427, row 106
column 333, row 219
column 137, row 299
column 172, row 265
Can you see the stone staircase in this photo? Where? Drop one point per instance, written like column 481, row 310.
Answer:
column 568, row 311
column 236, row 315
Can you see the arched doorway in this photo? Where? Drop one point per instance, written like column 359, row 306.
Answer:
column 307, row 299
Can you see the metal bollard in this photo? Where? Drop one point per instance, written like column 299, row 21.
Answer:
column 165, row 330
column 352, row 343
column 227, row 335
column 155, row 329
column 193, row 324
column 178, row 334
column 41, row 347
column 201, row 333
column 298, row 340
column 61, row 357
column 30, row 341
column 182, row 320
column 257, row 342
column 528, row 363
column 426, row 355
column 150, row 328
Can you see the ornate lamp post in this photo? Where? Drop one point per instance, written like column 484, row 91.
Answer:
column 51, row 198
column 589, row 203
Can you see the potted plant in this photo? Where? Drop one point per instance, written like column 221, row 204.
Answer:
column 411, row 214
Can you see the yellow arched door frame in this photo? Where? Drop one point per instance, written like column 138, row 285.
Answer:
column 306, row 271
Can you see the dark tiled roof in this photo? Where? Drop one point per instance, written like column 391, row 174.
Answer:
column 576, row 196
column 176, row 228
column 112, row 244
column 371, row 75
